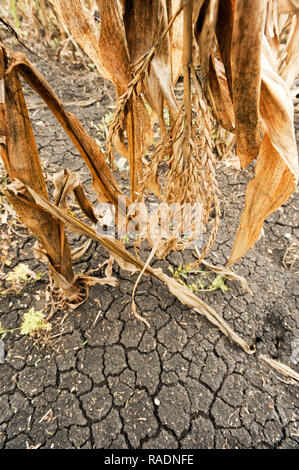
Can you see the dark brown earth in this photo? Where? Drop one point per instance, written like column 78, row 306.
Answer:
column 106, row 380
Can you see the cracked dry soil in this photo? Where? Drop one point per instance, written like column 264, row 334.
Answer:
column 106, row 380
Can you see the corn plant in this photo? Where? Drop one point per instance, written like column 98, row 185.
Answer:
column 245, row 76
column 238, row 61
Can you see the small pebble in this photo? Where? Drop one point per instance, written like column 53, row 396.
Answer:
column 2, row 352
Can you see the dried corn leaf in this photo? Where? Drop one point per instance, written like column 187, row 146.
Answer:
column 3, row 128
column 224, row 33
column 214, row 73
column 84, row 203
column 144, row 25
column 21, row 146
column 272, row 25
column 113, row 44
column 80, row 251
column 288, row 6
column 110, row 281
column 277, row 113
column 77, row 21
column 272, row 186
column 66, row 182
column 176, row 39
column 104, row 183
column 186, row 297
column 205, row 34
column 248, row 30
column 239, row 32
column 219, row 95
column 276, row 171
column 281, row 368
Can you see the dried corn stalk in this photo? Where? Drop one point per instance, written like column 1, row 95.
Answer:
column 20, row 156
column 22, row 162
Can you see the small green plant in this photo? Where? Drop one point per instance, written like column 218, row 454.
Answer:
column 166, row 116
column 126, row 238
column 4, row 331
column 218, row 283
column 104, row 125
column 34, row 322
column 20, row 275
column 15, row 15
column 183, row 271
column 181, row 275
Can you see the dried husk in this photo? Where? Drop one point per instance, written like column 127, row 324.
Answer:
column 211, row 18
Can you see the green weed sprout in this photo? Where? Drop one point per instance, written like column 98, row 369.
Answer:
column 34, row 321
